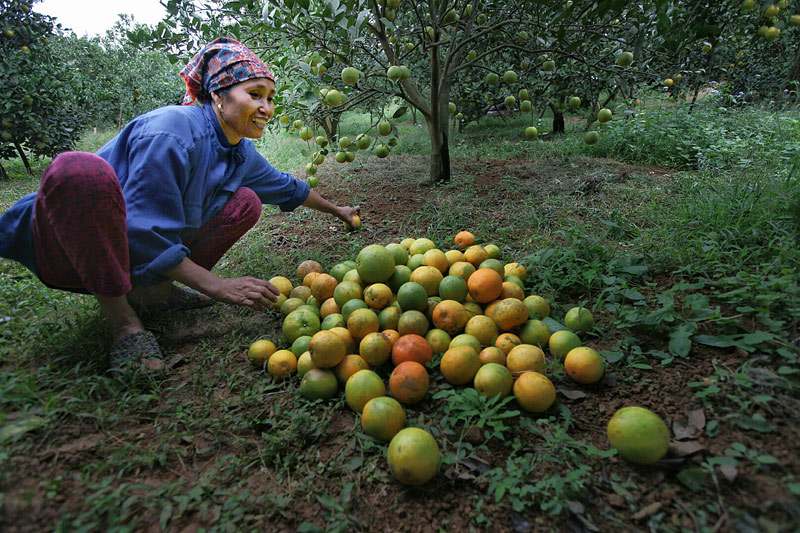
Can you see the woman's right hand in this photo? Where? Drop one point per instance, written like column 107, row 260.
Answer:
column 246, row 291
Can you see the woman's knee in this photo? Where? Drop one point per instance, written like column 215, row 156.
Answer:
column 79, row 170
column 245, row 206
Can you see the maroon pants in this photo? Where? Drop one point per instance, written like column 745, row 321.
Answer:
column 80, row 231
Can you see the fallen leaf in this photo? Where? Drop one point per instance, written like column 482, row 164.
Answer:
column 684, row 448
column 79, row 445
column 683, row 432
column 615, row 500
column 648, row 510
column 697, row 418
column 729, row 471
column 572, row 394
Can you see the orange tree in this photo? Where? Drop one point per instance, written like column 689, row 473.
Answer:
column 441, row 58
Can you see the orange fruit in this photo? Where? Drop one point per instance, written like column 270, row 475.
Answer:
column 399, row 253
column 512, row 290
column 640, row 435
column 362, row 322
column 538, row 307
column 323, row 286
column 348, row 366
column 485, row 285
column 435, row 258
column 352, row 275
column 318, row 384
column 260, row 350
column 492, row 380
column 509, row 313
column 415, row 261
column 378, row 295
column 414, row 456
column 411, row 347
column 535, row 332
column 494, row 264
column 283, row 284
column 534, row 392
column 492, row 354
column 420, row 246
column 301, row 291
column 346, row 337
column 561, row 342
column 459, row 365
column 464, row 238
column 507, row 341
column 433, row 301
column 333, row 321
column 407, row 242
column 409, row 382
column 473, row 309
column 412, row 295
column 476, row 255
column 327, row 349
column 453, row 288
column 299, row 323
column 363, row 386
column 493, row 250
column 392, row 335
column 309, row 278
column 382, row 418
column 525, row 357
column 282, row 364
column 515, row 269
column 438, row 339
column 389, row 317
column 375, row 348
column 450, row 316
column 429, row 277
column 304, row 364
column 579, row 319
column 482, row 328
column 309, row 265
column 290, row 304
column 375, row 264
column 584, row 365
column 328, row 307
column 462, row 269
column 412, row 322
column 466, row 340
column 454, row 256
column 346, row 291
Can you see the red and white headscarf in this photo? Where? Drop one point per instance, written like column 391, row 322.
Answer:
column 221, row 63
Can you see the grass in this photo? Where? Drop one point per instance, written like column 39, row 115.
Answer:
column 690, row 266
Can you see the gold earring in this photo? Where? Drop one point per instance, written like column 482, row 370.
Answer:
column 219, row 106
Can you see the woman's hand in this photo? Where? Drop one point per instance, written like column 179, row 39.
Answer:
column 247, row 291
column 350, row 215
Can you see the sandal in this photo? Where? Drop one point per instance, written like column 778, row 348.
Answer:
column 137, row 351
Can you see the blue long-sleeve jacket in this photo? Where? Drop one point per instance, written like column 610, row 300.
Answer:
column 176, row 170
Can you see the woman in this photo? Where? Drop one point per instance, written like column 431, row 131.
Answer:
column 162, row 202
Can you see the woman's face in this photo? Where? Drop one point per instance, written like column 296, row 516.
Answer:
column 246, row 109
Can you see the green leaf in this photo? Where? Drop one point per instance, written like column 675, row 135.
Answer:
column 722, row 341
column 693, row 478
column 680, row 343
column 16, row 429
column 633, row 294
column 400, row 112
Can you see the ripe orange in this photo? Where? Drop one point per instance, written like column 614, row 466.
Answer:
column 413, row 456
column 459, row 365
column 346, row 337
column 640, row 435
column 301, row 291
column 464, row 238
column 309, row 278
column 450, row 316
column 476, row 255
column 411, row 347
column 392, row 335
column 327, row 349
column 435, row 258
column 323, row 286
column 282, row 364
column 507, row 341
column 413, row 322
column 525, row 357
column 493, row 379
column 510, row 313
column 454, row 256
column 378, row 295
column 260, row 350
column 534, row 392
column 485, row 285
column 466, row 340
column 304, row 364
column 462, row 269
column 362, row 322
column 348, row 366
column 429, row 277
column 329, row 307
column 363, row 386
column 561, row 342
column 512, row 290
column 482, row 328
column 283, row 284
column 492, row 354
column 515, row 269
column 409, row 382
column 375, row 348
column 382, row 418
column 584, row 365
column 309, row 265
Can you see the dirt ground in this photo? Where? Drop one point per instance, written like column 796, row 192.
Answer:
column 620, row 496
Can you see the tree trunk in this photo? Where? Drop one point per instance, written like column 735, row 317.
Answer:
column 558, row 121
column 24, row 158
column 330, row 124
column 3, row 173
column 438, row 123
column 440, row 154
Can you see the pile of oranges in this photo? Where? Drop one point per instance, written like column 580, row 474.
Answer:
column 403, row 305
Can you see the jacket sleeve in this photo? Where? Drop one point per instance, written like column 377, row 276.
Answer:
column 272, row 186
column 159, row 170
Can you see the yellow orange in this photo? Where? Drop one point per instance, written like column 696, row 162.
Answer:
column 476, row 255
column 450, row 316
column 260, row 351
column 391, row 334
column 462, row 269
column 378, row 295
column 507, row 341
column 482, row 328
column 283, row 284
column 584, row 365
column 323, row 286
column 429, row 277
column 459, row 365
column 485, row 285
column 437, row 259
column 346, row 337
column 512, row 290
column 525, row 357
column 327, row 349
column 282, row 364
column 328, row 307
column 515, row 269
column 510, row 313
column 534, row 392
column 464, row 238
column 361, row 322
column 309, row 278
column 492, row 354
column 375, row 348
column 348, row 366
column 454, row 256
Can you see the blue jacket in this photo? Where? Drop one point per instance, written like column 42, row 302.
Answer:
column 176, row 170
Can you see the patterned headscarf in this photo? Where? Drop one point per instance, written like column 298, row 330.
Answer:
column 221, row 63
